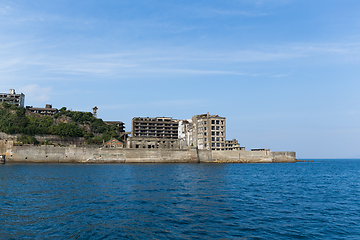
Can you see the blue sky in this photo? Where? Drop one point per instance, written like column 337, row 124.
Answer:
column 284, row 73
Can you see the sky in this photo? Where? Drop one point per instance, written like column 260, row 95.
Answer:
column 284, row 73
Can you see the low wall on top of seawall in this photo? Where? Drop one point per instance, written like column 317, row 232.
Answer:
column 56, row 154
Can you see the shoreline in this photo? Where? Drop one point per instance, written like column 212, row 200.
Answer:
column 73, row 154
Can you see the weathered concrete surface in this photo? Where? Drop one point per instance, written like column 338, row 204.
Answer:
column 72, row 154
column 57, row 140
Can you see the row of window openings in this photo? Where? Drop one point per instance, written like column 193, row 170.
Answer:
column 151, row 146
column 152, row 120
column 9, row 96
column 158, row 142
column 155, row 122
column 212, row 128
column 9, row 100
column 214, row 122
column 215, row 145
column 157, row 127
column 155, row 130
column 213, row 134
column 215, row 139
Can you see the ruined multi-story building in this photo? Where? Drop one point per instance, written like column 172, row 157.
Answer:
column 159, row 132
column 231, row 145
column 120, row 126
column 47, row 111
column 185, row 133
column 13, row 98
column 209, row 132
column 159, row 127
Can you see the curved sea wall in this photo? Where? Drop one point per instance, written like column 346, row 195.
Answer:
column 72, row 154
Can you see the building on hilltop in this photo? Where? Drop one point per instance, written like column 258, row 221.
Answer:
column 13, row 98
column 159, row 132
column 209, row 132
column 47, row 111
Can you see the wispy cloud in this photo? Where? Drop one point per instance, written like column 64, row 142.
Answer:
column 5, row 10
column 236, row 12
column 18, row 58
column 36, row 94
column 175, row 104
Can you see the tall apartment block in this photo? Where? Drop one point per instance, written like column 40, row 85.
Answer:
column 13, row 98
column 159, row 127
column 210, row 132
column 159, row 132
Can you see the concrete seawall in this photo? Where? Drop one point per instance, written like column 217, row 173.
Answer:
column 55, row 154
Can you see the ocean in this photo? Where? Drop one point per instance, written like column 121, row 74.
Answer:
column 307, row 200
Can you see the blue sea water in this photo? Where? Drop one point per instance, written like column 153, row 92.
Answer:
column 312, row 200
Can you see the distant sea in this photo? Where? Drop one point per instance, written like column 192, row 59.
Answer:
column 308, row 200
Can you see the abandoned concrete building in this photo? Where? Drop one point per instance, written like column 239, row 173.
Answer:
column 159, row 132
column 13, row 98
column 159, row 127
column 231, row 145
column 47, row 111
column 120, row 126
column 185, row 133
column 148, row 142
column 209, row 132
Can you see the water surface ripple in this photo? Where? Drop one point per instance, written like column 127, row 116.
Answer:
column 319, row 200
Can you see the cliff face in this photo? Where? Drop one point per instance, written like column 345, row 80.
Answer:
column 52, row 154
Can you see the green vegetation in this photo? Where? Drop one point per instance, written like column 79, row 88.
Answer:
column 65, row 124
column 24, row 139
column 45, row 142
